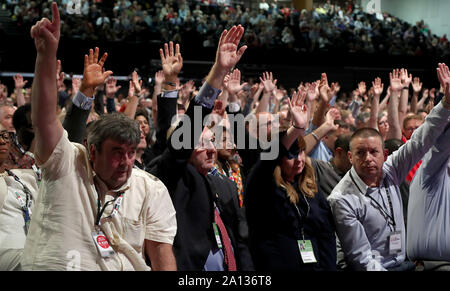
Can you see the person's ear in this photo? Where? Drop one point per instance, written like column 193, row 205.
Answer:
column 349, row 155
column 386, row 154
column 92, row 153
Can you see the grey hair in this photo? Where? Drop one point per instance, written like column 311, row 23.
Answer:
column 115, row 126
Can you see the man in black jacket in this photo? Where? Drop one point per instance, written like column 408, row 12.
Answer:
column 197, row 195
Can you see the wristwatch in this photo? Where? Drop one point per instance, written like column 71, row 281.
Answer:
column 170, row 84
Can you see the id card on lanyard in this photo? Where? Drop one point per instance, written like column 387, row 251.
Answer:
column 306, row 251
column 99, row 238
column 395, row 237
column 103, row 246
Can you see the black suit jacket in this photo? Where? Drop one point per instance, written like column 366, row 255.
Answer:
column 192, row 198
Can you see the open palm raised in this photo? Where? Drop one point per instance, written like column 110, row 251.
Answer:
column 298, row 109
column 94, row 74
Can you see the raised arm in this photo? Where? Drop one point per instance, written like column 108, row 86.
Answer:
column 81, row 105
column 133, row 92
column 406, row 80
column 227, row 55
column 48, row 129
column 425, row 95
column 233, row 86
column 385, row 101
column 157, row 89
column 172, row 63
column 269, row 86
column 326, row 93
column 417, row 87
column 19, row 84
column 312, row 139
column 299, row 119
column 377, row 87
column 111, row 89
column 395, row 130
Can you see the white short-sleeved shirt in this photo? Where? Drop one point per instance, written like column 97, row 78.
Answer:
column 12, row 220
column 64, row 217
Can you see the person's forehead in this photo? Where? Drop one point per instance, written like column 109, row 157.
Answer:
column 367, row 142
column 413, row 122
column 141, row 118
column 113, row 144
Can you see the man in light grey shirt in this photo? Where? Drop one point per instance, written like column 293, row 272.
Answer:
column 367, row 204
column 429, row 206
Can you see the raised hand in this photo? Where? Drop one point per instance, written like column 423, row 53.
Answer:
column 59, row 76
column 76, row 83
column 268, row 82
column 233, row 86
column 377, row 87
column 93, row 74
column 406, row 79
column 417, row 85
column 19, row 82
column 298, row 110
column 396, row 81
column 46, row 34
column 137, row 84
column 432, row 93
column 159, row 78
column 171, row 61
column 326, row 92
column 332, row 115
column 362, row 88
column 312, row 91
column 111, row 87
column 444, row 78
column 228, row 54
column 337, row 87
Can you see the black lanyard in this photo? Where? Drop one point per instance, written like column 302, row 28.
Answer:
column 100, row 209
column 390, row 219
column 27, row 207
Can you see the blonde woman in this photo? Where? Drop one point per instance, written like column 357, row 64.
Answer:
column 290, row 222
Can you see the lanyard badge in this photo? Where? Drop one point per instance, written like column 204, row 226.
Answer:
column 395, row 242
column 217, row 235
column 98, row 236
column 102, row 243
column 306, row 251
column 26, row 207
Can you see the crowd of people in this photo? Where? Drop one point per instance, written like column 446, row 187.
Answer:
column 227, row 176
column 327, row 27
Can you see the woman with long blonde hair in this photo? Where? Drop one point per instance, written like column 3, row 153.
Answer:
column 290, row 222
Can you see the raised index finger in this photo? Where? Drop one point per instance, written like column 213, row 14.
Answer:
column 55, row 16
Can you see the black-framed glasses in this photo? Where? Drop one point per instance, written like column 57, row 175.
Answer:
column 5, row 135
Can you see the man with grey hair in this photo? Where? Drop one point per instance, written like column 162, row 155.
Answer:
column 6, row 116
column 95, row 211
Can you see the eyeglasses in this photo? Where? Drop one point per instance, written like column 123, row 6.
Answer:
column 4, row 135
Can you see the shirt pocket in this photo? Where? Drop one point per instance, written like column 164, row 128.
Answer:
column 133, row 233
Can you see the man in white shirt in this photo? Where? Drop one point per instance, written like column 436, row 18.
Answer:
column 95, row 212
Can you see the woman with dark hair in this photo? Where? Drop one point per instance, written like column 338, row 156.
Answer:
column 290, row 222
